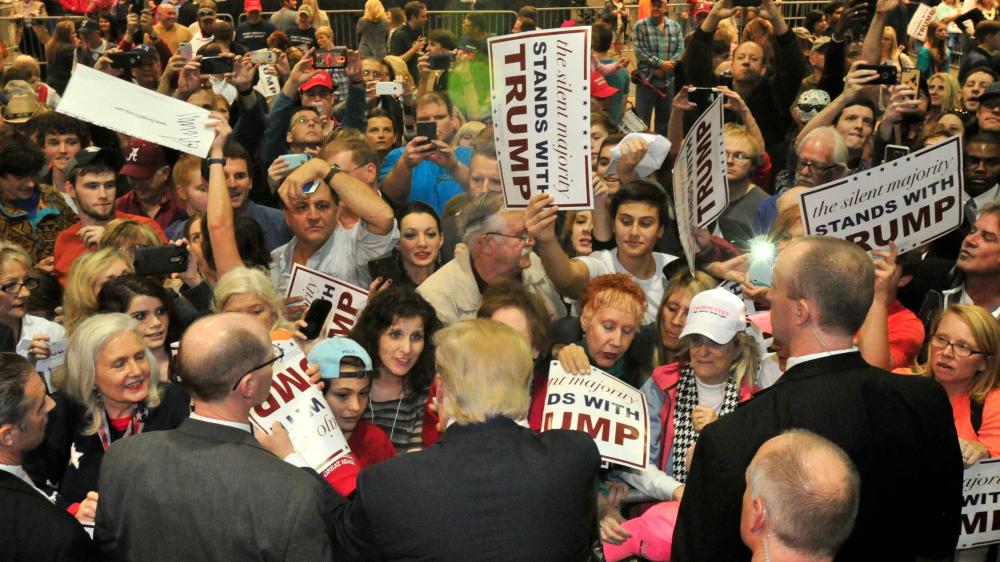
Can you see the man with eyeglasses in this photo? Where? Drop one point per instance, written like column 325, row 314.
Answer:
column 341, row 225
column 898, row 430
column 499, row 249
column 744, row 153
column 768, row 94
column 305, row 134
column 212, row 461
column 821, row 157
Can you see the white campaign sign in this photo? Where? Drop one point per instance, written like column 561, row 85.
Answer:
column 347, row 299
column 613, row 413
column 981, row 504
column 922, row 17
column 701, row 190
column 304, row 413
column 113, row 103
column 540, row 88
column 267, row 81
column 910, row 201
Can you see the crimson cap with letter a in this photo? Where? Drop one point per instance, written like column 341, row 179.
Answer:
column 143, row 159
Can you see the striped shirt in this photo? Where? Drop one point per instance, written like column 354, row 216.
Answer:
column 655, row 44
column 401, row 419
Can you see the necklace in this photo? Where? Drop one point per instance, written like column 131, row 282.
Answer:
column 399, row 404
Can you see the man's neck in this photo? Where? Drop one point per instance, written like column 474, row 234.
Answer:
column 738, row 188
column 165, row 27
column 973, row 191
column 809, row 340
column 984, row 290
column 87, row 220
column 224, row 411
column 57, row 180
column 304, row 250
column 150, row 201
column 641, row 267
column 488, row 271
column 744, row 88
column 774, row 551
column 11, row 457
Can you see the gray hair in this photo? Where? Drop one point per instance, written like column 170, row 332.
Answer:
column 481, row 214
column 831, row 136
column 805, row 514
column 14, row 373
column 77, row 378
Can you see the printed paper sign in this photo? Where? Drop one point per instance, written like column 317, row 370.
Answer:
column 267, row 81
column 922, row 17
column 347, row 299
column 613, row 413
column 540, row 84
column 304, row 413
column 910, row 201
column 701, row 190
column 113, row 103
column 981, row 504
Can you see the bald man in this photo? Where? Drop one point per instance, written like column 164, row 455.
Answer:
column 801, row 499
column 207, row 490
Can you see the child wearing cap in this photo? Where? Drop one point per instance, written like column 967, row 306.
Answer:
column 347, row 370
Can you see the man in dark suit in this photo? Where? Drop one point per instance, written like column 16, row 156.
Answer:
column 32, row 528
column 489, row 489
column 207, row 490
column 898, row 430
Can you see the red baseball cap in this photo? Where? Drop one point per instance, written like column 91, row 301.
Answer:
column 322, row 79
column 701, row 8
column 251, row 5
column 143, row 159
column 599, row 87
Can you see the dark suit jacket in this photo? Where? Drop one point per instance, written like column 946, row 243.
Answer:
column 34, row 530
column 897, row 429
column 488, row 491
column 205, row 491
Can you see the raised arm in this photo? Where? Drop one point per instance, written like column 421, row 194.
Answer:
column 219, row 214
column 569, row 276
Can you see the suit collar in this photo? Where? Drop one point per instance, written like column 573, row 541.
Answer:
column 496, row 423
column 10, row 482
column 216, row 432
column 824, row 366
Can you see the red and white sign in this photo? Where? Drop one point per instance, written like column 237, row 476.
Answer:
column 347, row 299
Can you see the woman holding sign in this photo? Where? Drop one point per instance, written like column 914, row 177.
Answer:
column 396, row 329
column 105, row 392
column 964, row 356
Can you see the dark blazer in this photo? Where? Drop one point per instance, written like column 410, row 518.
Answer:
column 206, row 491
column 487, row 491
column 34, row 530
column 897, row 429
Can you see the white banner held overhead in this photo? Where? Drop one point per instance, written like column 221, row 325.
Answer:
column 910, row 201
column 922, row 17
column 113, row 103
column 613, row 413
column 347, row 299
column 701, row 190
column 980, row 504
column 540, row 91
column 305, row 415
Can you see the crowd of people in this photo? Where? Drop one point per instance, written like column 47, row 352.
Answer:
column 825, row 414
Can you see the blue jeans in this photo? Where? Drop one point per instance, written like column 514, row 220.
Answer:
column 646, row 101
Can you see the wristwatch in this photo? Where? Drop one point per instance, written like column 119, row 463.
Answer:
column 334, row 170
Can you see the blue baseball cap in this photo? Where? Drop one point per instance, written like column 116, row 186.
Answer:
column 329, row 352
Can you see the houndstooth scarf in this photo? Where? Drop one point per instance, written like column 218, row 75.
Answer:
column 687, row 399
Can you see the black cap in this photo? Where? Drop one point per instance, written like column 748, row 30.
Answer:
column 89, row 155
column 992, row 90
column 90, row 26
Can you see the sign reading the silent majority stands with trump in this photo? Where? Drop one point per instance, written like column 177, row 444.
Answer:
column 347, row 299
column 613, row 413
column 910, row 201
column 305, row 415
column 981, row 504
column 540, row 84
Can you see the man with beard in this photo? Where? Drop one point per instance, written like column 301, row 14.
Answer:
column 90, row 181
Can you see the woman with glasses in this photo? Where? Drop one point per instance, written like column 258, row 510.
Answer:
column 962, row 355
column 104, row 392
column 34, row 336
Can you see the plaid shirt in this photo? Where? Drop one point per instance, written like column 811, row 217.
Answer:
column 654, row 45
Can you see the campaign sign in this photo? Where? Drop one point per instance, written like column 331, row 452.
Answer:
column 305, row 415
column 981, row 504
column 922, row 18
column 910, row 201
column 613, row 413
column 540, row 90
column 347, row 299
column 701, row 190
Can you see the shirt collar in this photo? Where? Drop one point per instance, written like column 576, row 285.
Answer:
column 244, row 426
column 18, row 471
column 987, row 196
column 793, row 361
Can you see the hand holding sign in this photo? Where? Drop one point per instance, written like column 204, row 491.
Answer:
column 540, row 218
column 277, row 442
column 972, row 452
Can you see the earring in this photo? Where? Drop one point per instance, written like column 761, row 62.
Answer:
column 98, row 399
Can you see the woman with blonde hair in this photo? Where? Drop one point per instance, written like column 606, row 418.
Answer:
column 945, row 96
column 320, row 19
column 373, row 30
column 892, row 51
column 964, row 356
column 249, row 291
column 126, row 235
column 105, row 392
column 86, row 277
column 467, row 133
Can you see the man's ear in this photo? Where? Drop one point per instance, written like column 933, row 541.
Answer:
column 759, row 518
column 904, row 280
column 7, row 435
column 70, row 188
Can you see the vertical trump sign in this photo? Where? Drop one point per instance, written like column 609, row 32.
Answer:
column 540, row 91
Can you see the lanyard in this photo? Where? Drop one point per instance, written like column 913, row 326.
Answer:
column 134, row 425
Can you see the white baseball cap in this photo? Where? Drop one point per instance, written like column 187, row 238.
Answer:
column 716, row 314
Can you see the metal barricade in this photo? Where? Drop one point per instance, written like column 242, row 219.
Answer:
column 497, row 21
column 9, row 33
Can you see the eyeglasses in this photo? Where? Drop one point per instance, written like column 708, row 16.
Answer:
column 376, row 74
column 522, row 237
column 278, row 356
column 738, row 155
column 808, row 107
column 305, row 120
column 959, row 349
column 816, row 166
column 14, row 287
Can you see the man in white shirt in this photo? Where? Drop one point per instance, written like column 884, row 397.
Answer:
column 33, row 528
column 346, row 172
column 639, row 214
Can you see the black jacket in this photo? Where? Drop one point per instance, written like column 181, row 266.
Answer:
column 897, row 429
column 34, row 530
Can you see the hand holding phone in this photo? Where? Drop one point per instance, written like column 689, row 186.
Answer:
column 314, row 318
column 428, row 130
column 216, row 65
